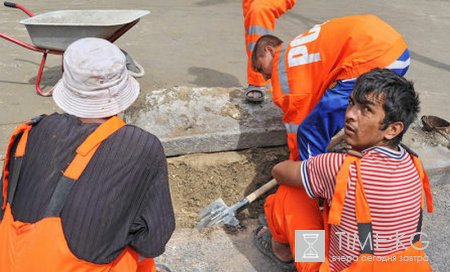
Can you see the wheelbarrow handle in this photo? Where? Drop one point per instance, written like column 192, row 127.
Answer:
column 14, row 5
column 10, row 4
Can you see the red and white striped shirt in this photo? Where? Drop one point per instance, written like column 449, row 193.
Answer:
column 393, row 190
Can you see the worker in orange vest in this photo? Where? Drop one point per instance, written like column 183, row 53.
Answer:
column 313, row 75
column 259, row 19
column 83, row 191
column 374, row 194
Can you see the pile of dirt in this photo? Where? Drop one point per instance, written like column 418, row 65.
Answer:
column 197, row 180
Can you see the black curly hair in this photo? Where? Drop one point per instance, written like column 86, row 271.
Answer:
column 401, row 102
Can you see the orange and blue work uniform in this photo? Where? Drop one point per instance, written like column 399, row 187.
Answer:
column 259, row 20
column 313, row 76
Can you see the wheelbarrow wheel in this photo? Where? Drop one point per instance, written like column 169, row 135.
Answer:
column 133, row 67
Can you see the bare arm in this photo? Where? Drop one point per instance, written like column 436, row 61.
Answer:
column 288, row 172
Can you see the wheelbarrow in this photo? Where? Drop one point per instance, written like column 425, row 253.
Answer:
column 52, row 32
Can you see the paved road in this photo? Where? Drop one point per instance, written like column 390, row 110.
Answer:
column 200, row 44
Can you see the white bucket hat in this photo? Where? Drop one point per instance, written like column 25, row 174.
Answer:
column 95, row 82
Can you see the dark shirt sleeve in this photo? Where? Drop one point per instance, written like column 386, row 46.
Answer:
column 155, row 221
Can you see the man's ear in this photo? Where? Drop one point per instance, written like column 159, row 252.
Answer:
column 393, row 130
column 270, row 49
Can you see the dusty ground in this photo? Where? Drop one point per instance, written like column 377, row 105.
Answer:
column 197, row 180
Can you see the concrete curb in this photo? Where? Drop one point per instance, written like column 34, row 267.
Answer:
column 194, row 120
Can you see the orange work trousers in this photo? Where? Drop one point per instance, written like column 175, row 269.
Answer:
column 259, row 20
column 288, row 210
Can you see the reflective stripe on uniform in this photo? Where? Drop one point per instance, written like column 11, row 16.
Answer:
column 251, row 46
column 398, row 64
column 282, row 73
column 291, row 128
column 258, row 30
column 401, row 65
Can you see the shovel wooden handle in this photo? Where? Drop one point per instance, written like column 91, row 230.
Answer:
column 261, row 190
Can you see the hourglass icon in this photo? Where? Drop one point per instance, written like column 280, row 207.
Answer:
column 310, row 239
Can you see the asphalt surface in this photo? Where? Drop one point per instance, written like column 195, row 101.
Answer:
column 201, row 44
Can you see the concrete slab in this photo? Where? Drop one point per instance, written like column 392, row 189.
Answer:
column 192, row 120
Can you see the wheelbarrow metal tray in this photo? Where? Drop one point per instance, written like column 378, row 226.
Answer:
column 56, row 30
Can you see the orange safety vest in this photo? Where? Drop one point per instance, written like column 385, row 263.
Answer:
column 41, row 246
column 342, row 48
column 367, row 261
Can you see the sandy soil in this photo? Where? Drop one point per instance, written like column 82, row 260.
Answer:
column 199, row 179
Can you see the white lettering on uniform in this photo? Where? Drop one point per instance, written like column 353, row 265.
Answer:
column 298, row 53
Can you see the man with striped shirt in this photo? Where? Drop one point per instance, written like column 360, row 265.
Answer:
column 381, row 177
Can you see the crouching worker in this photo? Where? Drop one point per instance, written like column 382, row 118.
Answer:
column 374, row 194
column 83, row 191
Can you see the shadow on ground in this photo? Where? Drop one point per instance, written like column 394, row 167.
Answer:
column 50, row 76
column 206, row 77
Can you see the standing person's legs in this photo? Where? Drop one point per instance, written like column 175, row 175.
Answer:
column 291, row 209
column 259, row 20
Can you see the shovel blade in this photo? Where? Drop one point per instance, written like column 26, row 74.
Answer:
column 217, row 213
column 216, row 206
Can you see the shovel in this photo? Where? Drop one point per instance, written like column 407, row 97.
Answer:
column 219, row 213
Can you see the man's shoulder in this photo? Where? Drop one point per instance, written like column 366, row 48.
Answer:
column 68, row 126
column 70, row 120
column 134, row 139
column 384, row 153
column 331, row 161
column 136, row 132
column 333, row 155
